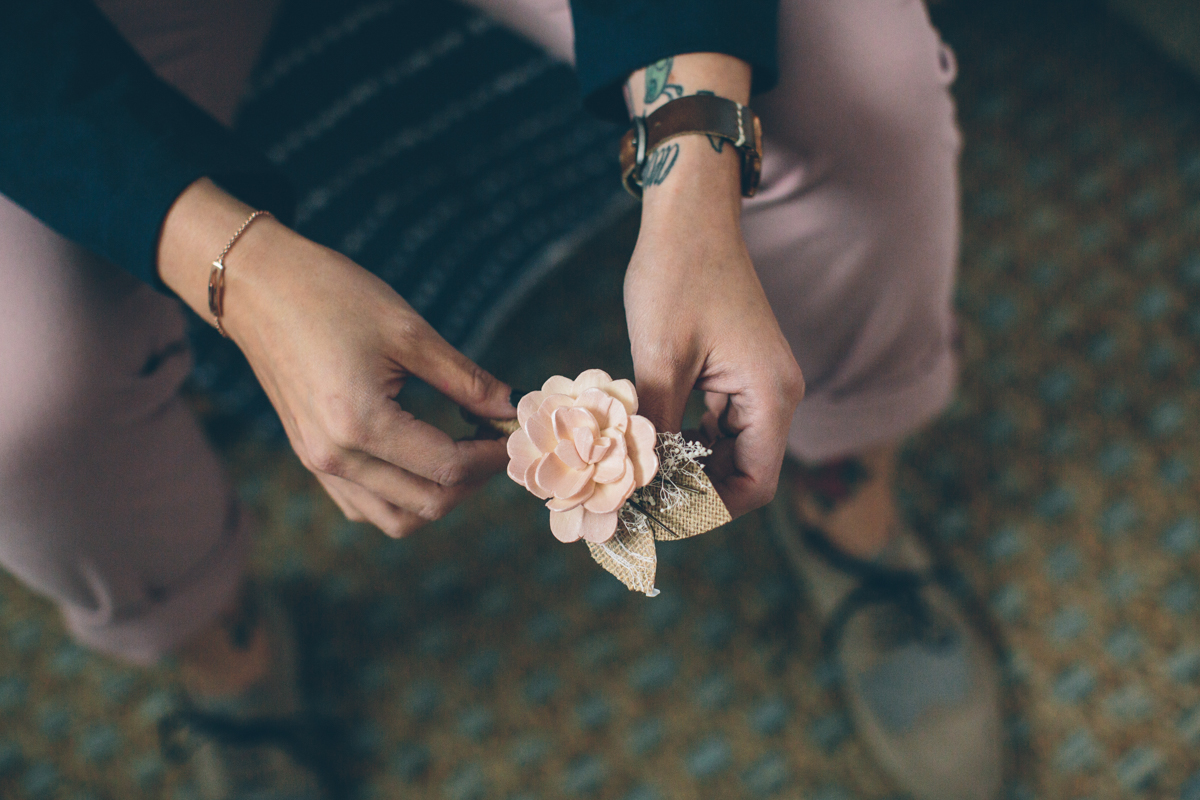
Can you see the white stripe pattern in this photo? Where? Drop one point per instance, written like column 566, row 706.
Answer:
column 317, row 199
column 365, row 92
column 297, row 57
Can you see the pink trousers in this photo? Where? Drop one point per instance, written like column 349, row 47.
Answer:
column 114, row 506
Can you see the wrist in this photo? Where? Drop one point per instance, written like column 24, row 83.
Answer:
column 704, row 186
column 197, row 227
column 195, row 231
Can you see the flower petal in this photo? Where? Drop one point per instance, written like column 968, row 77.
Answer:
column 592, row 378
column 527, row 405
column 641, row 440
column 531, row 480
column 602, row 406
column 558, row 384
column 623, row 391
column 585, row 445
column 567, row 420
column 555, row 477
column 598, row 527
column 521, row 454
column 567, row 503
column 553, row 401
column 618, row 417
column 540, row 429
column 601, row 448
column 611, row 468
column 567, row 452
column 567, row 526
column 608, row 497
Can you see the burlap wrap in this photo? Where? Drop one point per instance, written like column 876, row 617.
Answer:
column 652, row 514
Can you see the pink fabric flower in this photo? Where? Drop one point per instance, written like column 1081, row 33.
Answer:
column 583, row 449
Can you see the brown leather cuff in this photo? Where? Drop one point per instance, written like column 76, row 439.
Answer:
column 695, row 114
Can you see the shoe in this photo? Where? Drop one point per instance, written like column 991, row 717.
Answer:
column 922, row 684
column 255, row 745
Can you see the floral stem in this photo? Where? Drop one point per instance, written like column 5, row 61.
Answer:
column 651, row 517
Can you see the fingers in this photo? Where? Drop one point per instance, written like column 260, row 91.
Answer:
column 348, row 437
column 392, row 499
column 415, row 495
column 433, row 360
column 361, row 505
column 750, row 432
column 430, row 453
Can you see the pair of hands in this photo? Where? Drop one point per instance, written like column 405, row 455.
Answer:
column 332, row 344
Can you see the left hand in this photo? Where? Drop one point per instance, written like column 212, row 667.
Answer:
column 698, row 317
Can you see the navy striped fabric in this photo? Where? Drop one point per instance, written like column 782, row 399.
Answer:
column 435, row 148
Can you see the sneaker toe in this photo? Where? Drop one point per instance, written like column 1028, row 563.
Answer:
column 932, row 713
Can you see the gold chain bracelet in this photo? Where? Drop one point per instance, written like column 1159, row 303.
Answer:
column 216, row 278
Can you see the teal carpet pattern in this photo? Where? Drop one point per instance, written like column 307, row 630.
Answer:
column 480, row 658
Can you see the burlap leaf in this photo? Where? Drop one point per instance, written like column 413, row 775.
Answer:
column 629, row 555
column 701, row 512
column 679, row 502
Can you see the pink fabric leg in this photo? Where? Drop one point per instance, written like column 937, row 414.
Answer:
column 112, row 504
column 854, row 232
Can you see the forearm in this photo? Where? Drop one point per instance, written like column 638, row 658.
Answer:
column 691, row 73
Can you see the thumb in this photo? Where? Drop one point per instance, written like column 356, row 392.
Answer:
column 459, row 378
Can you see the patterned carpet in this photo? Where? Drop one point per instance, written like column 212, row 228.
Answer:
column 481, row 659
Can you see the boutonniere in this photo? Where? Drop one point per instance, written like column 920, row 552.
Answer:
column 608, row 477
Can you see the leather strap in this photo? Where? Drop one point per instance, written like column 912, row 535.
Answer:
column 695, row 114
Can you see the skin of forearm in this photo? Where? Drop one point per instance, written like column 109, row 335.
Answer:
column 699, row 171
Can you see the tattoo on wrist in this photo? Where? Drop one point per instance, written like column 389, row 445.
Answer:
column 659, row 164
column 658, row 82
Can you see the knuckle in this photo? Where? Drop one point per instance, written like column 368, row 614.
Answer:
column 435, row 506
column 344, row 424
column 664, row 358
column 762, row 494
column 395, row 526
column 328, row 459
column 759, row 498
column 450, row 473
column 479, row 385
column 792, row 383
column 408, row 332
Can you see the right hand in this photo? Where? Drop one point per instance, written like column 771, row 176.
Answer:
column 332, row 346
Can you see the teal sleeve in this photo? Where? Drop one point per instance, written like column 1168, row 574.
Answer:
column 614, row 38
column 94, row 145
